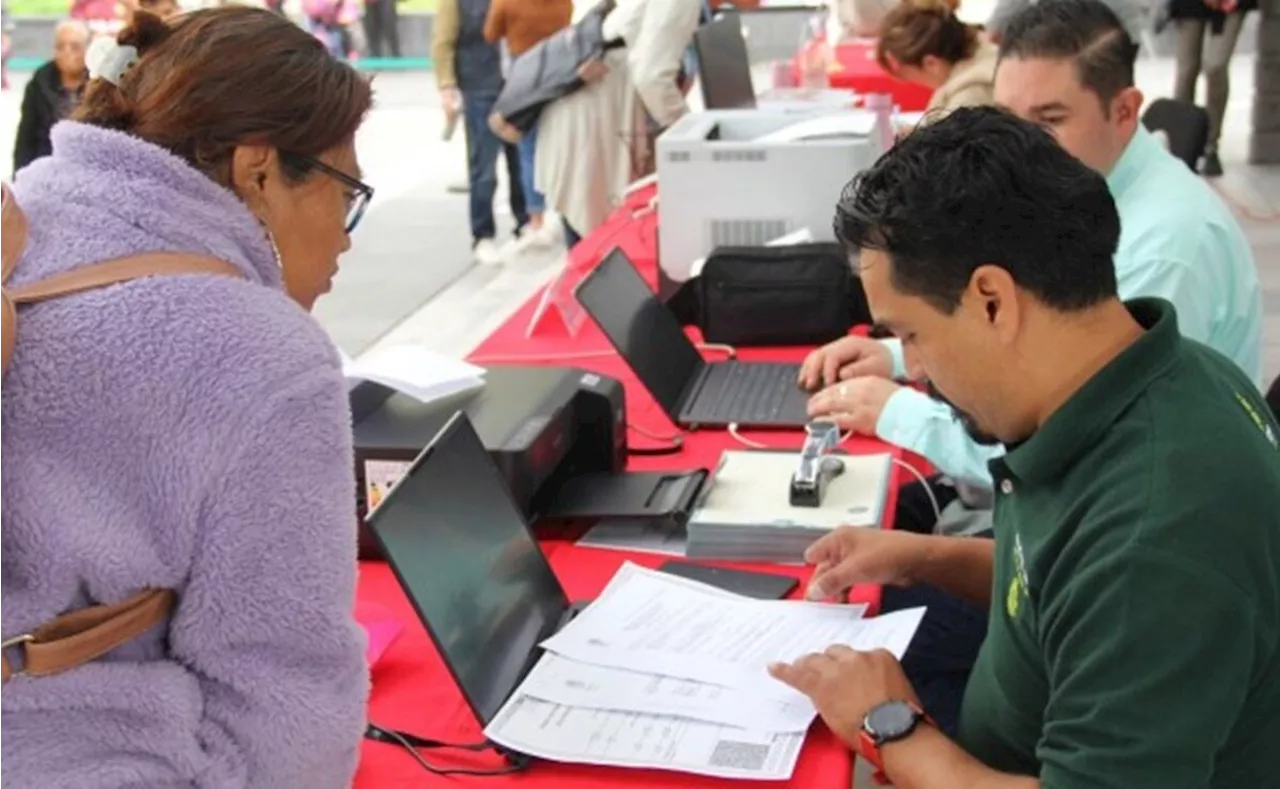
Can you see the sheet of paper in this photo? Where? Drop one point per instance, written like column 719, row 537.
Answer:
column 852, row 123
column 415, row 371
column 625, row 739
column 572, row 683
column 645, row 621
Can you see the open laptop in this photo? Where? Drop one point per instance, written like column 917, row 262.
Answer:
column 461, row 550
column 692, row 391
column 724, row 72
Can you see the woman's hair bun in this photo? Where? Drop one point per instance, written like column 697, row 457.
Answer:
column 144, row 32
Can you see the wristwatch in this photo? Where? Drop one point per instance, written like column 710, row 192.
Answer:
column 885, row 723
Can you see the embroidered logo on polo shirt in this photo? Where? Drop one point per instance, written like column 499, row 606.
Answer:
column 1263, row 423
column 1019, row 587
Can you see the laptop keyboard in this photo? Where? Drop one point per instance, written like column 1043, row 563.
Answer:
column 752, row 393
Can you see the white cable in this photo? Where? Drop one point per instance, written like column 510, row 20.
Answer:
column 728, row 350
column 503, row 359
column 741, row 439
column 573, row 355
column 674, row 438
column 928, row 491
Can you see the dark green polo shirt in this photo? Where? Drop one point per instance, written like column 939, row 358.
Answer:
column 1135, row 620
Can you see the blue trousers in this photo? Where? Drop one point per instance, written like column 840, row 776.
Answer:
column 483, row 148
column 942, row 654
column 533, row 199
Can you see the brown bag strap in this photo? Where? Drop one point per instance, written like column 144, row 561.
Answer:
column 78, row 637
column 98, row 275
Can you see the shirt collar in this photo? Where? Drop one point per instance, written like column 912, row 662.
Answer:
column 1142, row 148
column 1081, row 421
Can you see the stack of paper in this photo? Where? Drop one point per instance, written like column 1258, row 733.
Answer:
column 746, row 515
column 421, row 374
column 667, row 673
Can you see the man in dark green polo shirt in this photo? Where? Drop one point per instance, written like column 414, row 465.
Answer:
column 1134, row 582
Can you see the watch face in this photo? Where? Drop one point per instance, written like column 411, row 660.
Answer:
column 891, row 720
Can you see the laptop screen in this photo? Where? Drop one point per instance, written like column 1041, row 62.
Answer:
column 641, row 328
column 467, row 561
column 723, row 69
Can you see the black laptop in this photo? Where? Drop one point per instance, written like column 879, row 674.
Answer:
column 692, row 391
column 466, row 559
column 724, row 71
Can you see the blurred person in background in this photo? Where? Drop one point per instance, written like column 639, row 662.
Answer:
column 469, row 76
column 593, row 142
column 923, row 42
column 102, row 16
column 52, row 93
column 1207, row 34
column 170, row 404
column 333, row 22
column 521, row 24
column 5, row 47
column 381, row 22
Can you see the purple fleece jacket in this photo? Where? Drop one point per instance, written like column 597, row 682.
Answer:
column 186, row 432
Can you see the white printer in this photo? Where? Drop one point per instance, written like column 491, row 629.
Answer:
column 747, row 177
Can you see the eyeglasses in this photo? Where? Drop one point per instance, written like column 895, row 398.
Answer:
column 358, row 192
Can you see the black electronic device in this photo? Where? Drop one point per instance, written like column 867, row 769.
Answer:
column 465, row 557
column 724, row 70
column 692, row 391
column 541, row 425
column 659, row 498
column 761, row 586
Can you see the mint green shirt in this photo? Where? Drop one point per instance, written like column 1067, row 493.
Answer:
column 1179, row 242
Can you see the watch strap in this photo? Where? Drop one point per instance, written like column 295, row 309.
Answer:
column 869, row 748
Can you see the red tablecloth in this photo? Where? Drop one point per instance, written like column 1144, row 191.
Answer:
column 412, row 689
column 855, row 68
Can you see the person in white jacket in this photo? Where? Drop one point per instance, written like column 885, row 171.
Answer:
column 592, row 142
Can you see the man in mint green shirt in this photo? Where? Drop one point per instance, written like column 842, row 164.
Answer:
column 1178, row 240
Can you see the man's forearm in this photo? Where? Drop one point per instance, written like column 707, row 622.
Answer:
column 928, row 760
column 959, row 565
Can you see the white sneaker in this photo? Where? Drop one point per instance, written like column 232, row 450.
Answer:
column 486, row 252
column 545, row 237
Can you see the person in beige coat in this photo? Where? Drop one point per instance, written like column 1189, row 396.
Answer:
column 922, row 41
column 592, row 142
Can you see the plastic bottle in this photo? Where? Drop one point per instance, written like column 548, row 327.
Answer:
column 881, row 105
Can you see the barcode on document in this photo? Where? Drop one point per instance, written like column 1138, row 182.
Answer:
column 740, row 755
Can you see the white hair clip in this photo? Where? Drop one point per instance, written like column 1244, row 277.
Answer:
column 107, row 59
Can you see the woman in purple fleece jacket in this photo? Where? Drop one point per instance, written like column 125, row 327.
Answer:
column 190, row 432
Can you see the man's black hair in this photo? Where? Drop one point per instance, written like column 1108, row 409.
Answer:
column 1086, row 31
column 981, row 186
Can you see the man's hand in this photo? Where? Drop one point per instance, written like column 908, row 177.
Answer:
column 451, row 101
column 857, row 555
column 593, row 70
column 845, row 685
column 855, row 404
column 847, row 357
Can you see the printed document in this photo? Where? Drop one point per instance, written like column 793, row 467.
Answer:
column 630, row 739
column 417, row 372
column 650, row 622
column 563, row 681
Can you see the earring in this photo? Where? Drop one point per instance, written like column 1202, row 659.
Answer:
column 275, row 250
column 271, row 239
